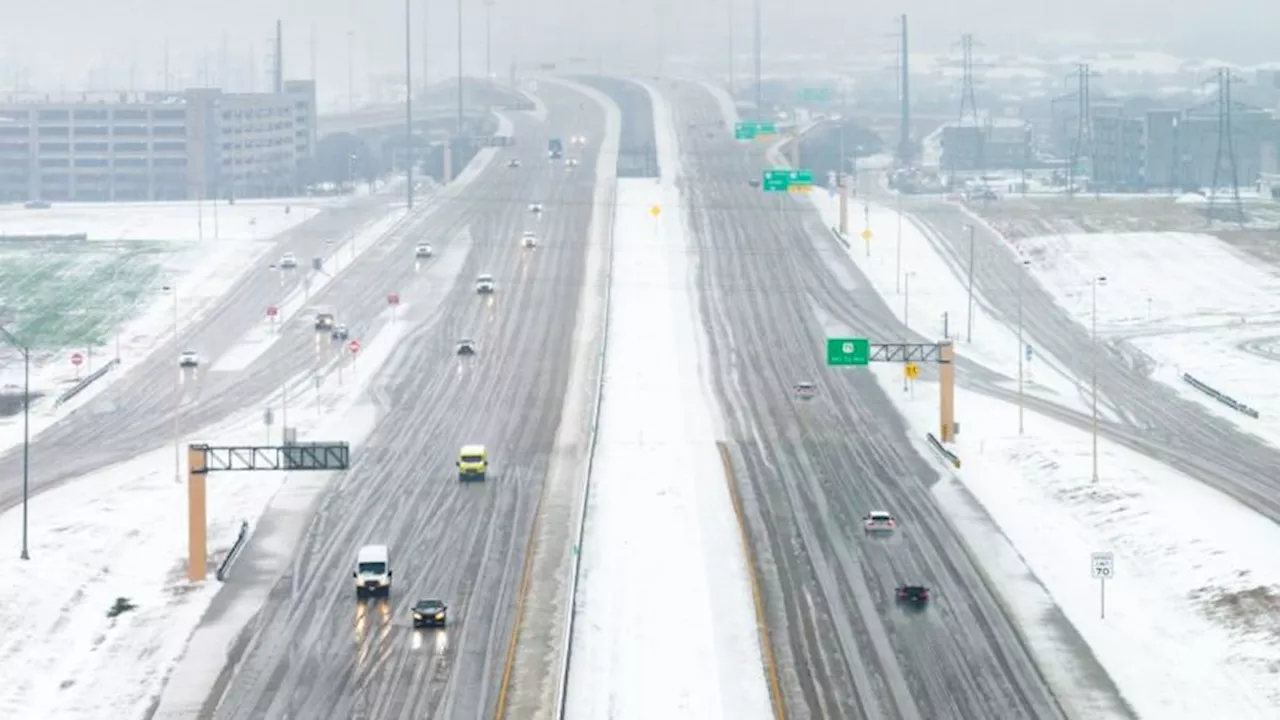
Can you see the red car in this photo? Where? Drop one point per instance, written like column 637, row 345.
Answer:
column 916, row 594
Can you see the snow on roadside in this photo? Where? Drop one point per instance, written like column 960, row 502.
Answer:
column 933, row 289
column 1194, row 608
column 660, row 523
column 121, row 532
column 186, row 221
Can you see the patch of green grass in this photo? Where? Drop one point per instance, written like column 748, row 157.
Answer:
column 60, row 295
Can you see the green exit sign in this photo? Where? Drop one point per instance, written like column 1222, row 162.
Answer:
column 753, row 130
column 848, row 351
column 786, row 180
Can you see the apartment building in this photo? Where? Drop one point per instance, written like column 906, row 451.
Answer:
column 198, row 143
column 993, row 144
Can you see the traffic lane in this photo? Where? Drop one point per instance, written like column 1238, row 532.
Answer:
column 528, row 325
column 816, row 468
column 461, row 542
column 130, row 416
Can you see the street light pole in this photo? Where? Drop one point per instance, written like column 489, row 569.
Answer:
column 968, row 334
column 1021, row 345
column 1099, row 280
column 26, row 431
column 488, row 40
column 177, row 390
column 906, row 320
column 897, row 270
column 459, row 71
column 409, row 153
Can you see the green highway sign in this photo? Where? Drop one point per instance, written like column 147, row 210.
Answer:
column 786, row 180
column 848, row 351
column 753, row 130
column 815, row 94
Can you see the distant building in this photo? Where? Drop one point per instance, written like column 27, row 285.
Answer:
column 1183, row 149
column 155, row 146
column 993, row 144
column 1118, row 150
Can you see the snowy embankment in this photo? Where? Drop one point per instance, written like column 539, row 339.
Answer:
column 660, row 528
column 1190, row 302
column 1191, row 606
column 121, row 533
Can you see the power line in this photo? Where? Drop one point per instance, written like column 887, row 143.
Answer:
column 968, row 108
column 1227, row 146
column 1083, row 145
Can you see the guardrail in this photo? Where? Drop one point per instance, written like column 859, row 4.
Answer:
column 562, row 687
column 86, row 382
column 840, row 237
column 225, row 566
column 1220, row 396
column 72, row 237
column 942, row 451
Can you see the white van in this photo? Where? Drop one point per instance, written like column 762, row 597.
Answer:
column 373, row 571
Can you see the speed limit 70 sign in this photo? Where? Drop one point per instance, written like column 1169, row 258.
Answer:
column 1103, row 565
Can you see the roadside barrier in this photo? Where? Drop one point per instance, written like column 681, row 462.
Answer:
column 86, row 382
column 942, row 451
column 224, row 567
column 1219, row 396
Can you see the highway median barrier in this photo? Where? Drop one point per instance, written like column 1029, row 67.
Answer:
column 840, row 237
column 1220, row 396
column 942, row 451
column 86, row 382
column 224, row 567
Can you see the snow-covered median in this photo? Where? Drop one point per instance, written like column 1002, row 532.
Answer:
column 121, row 533
column 665, row 626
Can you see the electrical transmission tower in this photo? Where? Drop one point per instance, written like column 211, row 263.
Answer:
column 968, row 109
column 1083, row 145
column 1226, row 148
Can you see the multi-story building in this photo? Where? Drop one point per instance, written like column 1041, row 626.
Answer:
column 154, row 146
column 1183, row 149
column 994, row 143
column 1117, row 155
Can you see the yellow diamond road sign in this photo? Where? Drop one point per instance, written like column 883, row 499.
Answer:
column 866, row 234
column 911, row 370
column 655, row 210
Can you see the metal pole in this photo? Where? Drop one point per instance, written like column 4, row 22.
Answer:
column 177, row 395
column 733, row 75
column 1021, row 348
column 26, row 444
column 906, row 322
column 351, row 71
column 759, row 100
column 459, row 70
column 969, row 323
column 488, row 40
column 408, row 104
column 897, row 270
column 1094, row 383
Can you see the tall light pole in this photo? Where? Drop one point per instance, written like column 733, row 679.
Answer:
column 759, row 100
column 1099, row 280
column 351, row 71
column 906, row 320
column 488, row 40
column 968, row 334
column 459, row 71
column 897, row 272
column 26, row 430
column 177, row 389
column 1021, row 345
column 408, row 105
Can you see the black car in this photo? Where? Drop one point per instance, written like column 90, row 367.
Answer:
column 466, row 347
column 914, row 594
column 754, row 182
column 339, row 332
column 324, row 321
column 429, row 613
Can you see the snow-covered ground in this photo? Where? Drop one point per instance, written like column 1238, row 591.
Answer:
column 1192, row 303
column 921, row 288
column 660, row 523
column 1194, row 609
column 164, row 221
column 120, row 533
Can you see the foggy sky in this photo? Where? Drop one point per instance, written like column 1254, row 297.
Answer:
column 58, row 45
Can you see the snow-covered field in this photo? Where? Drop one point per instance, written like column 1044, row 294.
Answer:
column 1192, row 303
column 121, row 533
column 164, row 221
column 1194, row 604
column 1194, row 609
column 660, row 524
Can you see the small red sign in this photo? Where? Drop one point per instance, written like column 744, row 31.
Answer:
column 393, row 299
column 77, row 359
column 273, row 311
column 355, row 346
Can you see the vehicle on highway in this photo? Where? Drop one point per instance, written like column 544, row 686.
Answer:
column 422, row 250
column 429, row 613
column 528, row 239
column 288, row 261
column 324, row 321
column 535, row 207
column 805, row 390
column 513, row 163
column 578, row 140
column 466, row 346
column 879, row 521
column 912, row 594
column 473, row 463
column 188, row 359
column 484, row 284
column 339, row 332
column 754, row 182
column 571, row 163
column 373, row 571
column 555, row 148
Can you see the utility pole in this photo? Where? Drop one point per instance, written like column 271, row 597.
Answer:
column 968, row 333
column 733, row 75
column 408, row 105
column 759, row 94
column 1226, row 149
column 459, row 71
column 906, row 152
column 426, row 44
column 1084, row 145
column 968, row 108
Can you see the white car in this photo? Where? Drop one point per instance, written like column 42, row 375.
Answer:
column 571, row 163
column 535, row 207
column 805, row 390
column 484, row 284
column 288, row 261
column 578, row 139
column 188, row 359
column 528, row 240
column 422, row 250
column 879, row 521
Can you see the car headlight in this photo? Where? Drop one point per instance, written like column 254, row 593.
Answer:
column 439, row 616
column 417, row 616
column 384, row 582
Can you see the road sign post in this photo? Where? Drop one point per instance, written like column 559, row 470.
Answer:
column 866, row 238
column 393, row 299
column 1103, row 568
column 848, row 351
column 77, row 360
column 272, row 312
